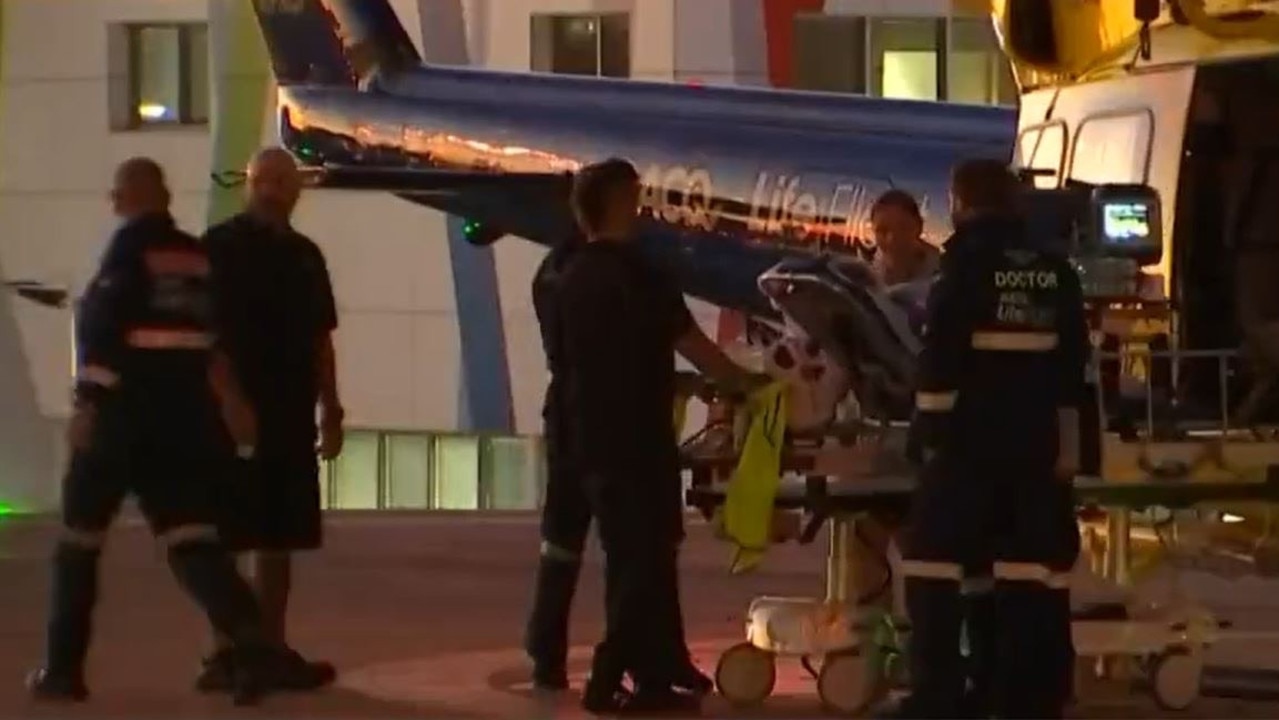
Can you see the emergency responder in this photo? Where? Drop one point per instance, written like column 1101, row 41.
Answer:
column 149, row 388
column 902, row 254
column 275, row 299
column 620, row 322
column 1000, row 378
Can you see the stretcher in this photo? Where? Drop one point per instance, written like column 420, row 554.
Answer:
column 1168, row 641
column 1179, row 486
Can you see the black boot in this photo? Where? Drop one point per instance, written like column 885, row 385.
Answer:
column 75, row 593
column 46, row 686
column 299, row 674
column 546, row 640
column 936, row 667
column 1031, row 654
column 979, row 627
column 216, row 672
column 604, row 694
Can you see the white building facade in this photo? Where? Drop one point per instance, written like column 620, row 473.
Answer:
column 441, row 368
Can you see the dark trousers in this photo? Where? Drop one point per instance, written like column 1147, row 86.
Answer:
column 168, row 457
column 566, row 520
column 1019, row 523
column 640, row 523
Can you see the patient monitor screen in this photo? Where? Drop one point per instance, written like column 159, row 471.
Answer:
column 1127, row 223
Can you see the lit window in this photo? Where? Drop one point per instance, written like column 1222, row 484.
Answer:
column 457, row 473
column 511, row 474
column 160, row 75
column 904, row 57
column 408, row 467
column 976, row 70
column 596, row 44
column 355, row 473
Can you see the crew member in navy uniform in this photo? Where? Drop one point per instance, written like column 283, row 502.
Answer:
column 1000, row 379
column 620, row 320
column 275, row 299
column 150, row 387
column 566, row 512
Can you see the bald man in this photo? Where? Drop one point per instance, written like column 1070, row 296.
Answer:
column 275, row 301
column 150, row 382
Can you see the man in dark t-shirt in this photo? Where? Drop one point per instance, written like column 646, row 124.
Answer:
column 274, row 297
column 619, row 320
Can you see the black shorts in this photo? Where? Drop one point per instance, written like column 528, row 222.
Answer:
column 272, row 501
column 170, row 463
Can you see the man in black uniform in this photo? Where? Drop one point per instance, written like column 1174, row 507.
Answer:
column 149, row 388
column 566, row 512
column 272, row 289
column 620, row 322
column 1000, row 380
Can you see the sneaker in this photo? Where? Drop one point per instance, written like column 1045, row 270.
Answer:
column 46, row 686
column 217, row 672
column 690, row 679
column 299, row 674
column 599, row 698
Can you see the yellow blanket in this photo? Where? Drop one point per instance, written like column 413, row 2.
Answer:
column 748, row 507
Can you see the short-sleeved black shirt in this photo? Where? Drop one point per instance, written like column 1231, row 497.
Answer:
column 621, row 315
column 275, row 304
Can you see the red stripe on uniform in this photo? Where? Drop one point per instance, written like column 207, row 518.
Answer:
column 177, row 262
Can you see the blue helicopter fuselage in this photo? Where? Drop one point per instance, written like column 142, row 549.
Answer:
column 735, row 179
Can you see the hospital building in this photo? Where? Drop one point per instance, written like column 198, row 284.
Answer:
column 441, row 367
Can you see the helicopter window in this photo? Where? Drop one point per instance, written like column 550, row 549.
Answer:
column 1113, row 148
column 1043, row 148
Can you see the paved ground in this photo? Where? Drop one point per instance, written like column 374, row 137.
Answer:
column 423, row 615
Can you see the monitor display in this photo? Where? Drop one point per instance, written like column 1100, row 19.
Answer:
column 1125, row 223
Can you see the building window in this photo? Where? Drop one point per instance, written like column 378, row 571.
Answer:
column 830, row 53
column 957, row 60
column 159, row 75
column 976, row 70
column 594, row 44
column 905, row 55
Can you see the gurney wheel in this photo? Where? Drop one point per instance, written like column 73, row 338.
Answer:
column 745, row 675
column 846, row 684
column 1175, row 677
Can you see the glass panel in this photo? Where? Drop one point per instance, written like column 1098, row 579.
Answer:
column 541, row 43
column 1043, row 149
column 830, row 53
column 158, row 51
column 904, row 56
column 511, row 469
column 974, row 62
column 1112, row 149
column 356, row 475
column 575, row 44
column 408, row 471
column 326, row 477
column 457, row 473
column 198, row 87
column 615, row 45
